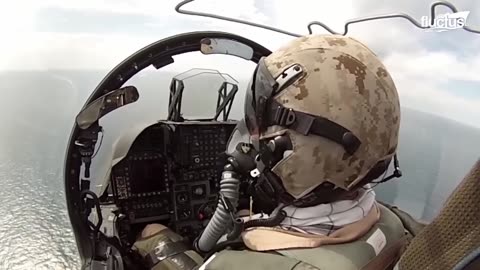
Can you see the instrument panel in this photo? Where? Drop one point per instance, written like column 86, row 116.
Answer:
column 171, row 175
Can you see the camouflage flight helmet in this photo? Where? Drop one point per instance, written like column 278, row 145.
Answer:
column 339, row 107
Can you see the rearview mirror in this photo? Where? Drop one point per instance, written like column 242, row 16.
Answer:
column 106, row 104
column 226, row 46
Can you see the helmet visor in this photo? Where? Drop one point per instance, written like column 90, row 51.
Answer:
column 259, row 90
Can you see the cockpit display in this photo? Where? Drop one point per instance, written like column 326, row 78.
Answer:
column 148, row 175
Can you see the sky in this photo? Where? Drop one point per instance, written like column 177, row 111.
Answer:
column 435, row 72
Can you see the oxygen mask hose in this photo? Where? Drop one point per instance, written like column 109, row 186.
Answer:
column 221, row 219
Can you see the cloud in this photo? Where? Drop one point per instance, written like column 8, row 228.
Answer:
column 93, row 34
column 294, row 15
column 59, row 34
column 437, row 98
column 447, row 65
column 430, row 69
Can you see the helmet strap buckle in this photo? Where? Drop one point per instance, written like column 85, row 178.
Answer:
column 284, row 116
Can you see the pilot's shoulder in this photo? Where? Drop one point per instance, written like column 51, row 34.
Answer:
column 381, row 244
column 236, row 260
column 245, row 259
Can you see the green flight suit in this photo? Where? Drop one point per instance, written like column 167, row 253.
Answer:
column 380, row 248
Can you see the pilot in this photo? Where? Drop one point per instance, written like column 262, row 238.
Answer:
column 322, row 114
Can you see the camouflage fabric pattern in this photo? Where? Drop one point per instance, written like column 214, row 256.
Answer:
column 344, row 82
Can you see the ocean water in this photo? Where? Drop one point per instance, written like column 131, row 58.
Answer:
column 34, row 228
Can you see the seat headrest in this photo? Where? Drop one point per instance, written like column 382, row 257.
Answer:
column 453, row 235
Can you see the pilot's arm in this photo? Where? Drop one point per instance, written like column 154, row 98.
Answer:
column 163, row 249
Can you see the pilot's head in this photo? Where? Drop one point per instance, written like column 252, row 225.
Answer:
column 324, row 114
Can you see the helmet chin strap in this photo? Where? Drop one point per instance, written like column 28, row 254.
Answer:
column 268, row 187
column 397, row 173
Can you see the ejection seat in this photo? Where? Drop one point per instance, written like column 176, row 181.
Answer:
column 452, row 240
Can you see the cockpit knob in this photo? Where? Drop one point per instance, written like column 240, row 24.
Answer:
column 198, row 191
